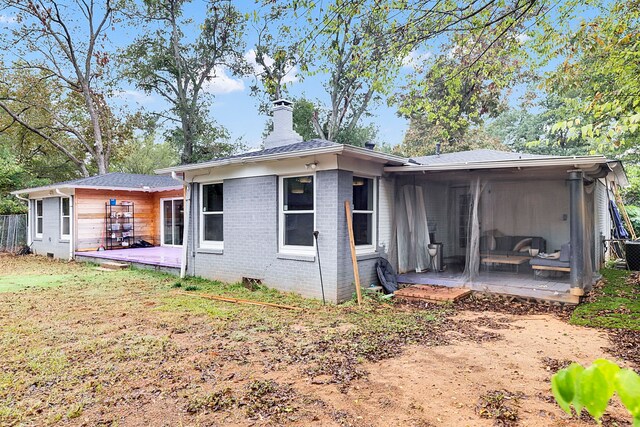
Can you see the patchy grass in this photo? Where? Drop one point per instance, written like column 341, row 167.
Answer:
column 130, row 348
column 81, row 344
column 615, row 303
column 17, row 283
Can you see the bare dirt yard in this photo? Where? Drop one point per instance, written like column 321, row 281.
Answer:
column 84, row 347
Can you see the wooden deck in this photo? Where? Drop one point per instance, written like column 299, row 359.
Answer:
column 503, row 283
column 159, row 258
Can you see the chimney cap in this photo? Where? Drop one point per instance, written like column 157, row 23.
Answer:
column 282, row 102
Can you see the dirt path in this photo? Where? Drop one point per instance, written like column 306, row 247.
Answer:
column 441, row 386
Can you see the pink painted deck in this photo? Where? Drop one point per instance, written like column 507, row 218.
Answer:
column 162, row 256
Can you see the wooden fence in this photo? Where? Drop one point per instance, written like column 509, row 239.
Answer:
column 13, row 232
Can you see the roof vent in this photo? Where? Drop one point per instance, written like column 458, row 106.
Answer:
column 282, row 133
column 369, row 145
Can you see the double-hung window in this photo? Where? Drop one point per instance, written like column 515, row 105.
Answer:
column 297, row 213
column 364, row 218
column 211, row 216
column 65, row 218
column 39, row 217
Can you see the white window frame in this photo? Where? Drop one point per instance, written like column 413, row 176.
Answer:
column 36, row 216
column 362, row 249
column 295, row 249
column 62, row 217
column 162, row 233
column 210, row 244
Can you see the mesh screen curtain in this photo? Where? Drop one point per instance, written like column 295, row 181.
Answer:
column 469, row 215
column 412, row 228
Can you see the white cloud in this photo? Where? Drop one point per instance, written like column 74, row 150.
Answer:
column 291, row 75
column 8, row 19
column 414, row 59
column 522, row 38
column 134, row 95
column 223, row 83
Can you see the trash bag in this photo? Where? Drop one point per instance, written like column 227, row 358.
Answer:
column 387, row 276
column 25, row 250
column 141, row 244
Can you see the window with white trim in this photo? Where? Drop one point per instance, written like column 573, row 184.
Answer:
column 211, row 215
column 65, row 217
column 364, row 214
column 39, row 218
column 297, row 213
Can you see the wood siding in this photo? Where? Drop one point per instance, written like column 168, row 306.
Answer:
column 90, row 213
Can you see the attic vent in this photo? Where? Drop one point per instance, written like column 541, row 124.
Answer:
column 251, row 283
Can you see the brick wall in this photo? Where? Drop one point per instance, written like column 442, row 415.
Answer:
column 251, row 238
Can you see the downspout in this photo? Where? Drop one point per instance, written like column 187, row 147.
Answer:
column 185, row 235
column 26, row 199
column 71, row 223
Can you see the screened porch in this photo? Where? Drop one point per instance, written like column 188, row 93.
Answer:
column 506, row 231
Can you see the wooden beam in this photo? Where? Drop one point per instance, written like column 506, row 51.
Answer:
column 551, row 268
column 239, row 301
column 354, row 259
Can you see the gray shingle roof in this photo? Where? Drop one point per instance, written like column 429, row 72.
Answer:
column 473, row 156
column 298, row 146
column 122, row 180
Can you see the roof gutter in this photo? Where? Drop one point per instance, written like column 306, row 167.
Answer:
column 617, row 168
column 91, row 187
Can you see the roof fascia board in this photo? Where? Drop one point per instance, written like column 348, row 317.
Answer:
column 555, row 161
column 339, row 149
column 370, row 154
column 251, row 159
column 93, row 187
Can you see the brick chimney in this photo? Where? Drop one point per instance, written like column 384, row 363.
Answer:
column 282, row 133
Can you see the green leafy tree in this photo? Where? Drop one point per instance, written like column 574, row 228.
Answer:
column 144, row 155
column 63, row 48
column 458, row 90
column 533, row 132
column 168, row 62
column 598, row 77
column 277, row 52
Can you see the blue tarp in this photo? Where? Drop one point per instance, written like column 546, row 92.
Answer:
column 619, row 232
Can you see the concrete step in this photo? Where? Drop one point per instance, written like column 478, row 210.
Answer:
column 114, row 265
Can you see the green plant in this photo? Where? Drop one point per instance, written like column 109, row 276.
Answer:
column 591, row 388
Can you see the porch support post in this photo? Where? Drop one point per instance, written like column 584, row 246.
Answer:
column 576, row 217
